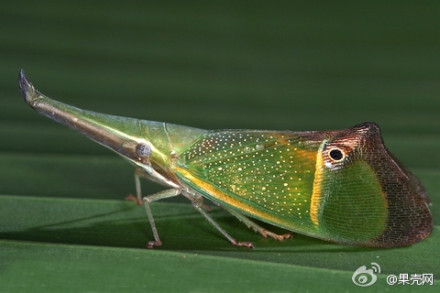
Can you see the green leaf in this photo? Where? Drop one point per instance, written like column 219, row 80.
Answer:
column 50, row 238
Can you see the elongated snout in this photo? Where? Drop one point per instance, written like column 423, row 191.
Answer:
column 122, row 135
column 141, row 141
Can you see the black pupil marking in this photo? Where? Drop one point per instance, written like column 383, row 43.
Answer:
column 143, row 150
column 336, row 154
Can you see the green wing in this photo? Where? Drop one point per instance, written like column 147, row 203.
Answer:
column 256, row 172
column 292, row 180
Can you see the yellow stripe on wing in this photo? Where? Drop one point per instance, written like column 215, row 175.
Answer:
column 316, row 199
column 223, row 198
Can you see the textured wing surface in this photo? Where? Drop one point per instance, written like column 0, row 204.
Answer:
column 268, row 171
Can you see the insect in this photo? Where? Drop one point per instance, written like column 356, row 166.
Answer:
column 342, row 186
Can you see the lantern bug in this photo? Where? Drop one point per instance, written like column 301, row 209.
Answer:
column 342, row 186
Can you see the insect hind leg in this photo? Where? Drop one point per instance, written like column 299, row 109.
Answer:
column 231, row 239
column 257, row 228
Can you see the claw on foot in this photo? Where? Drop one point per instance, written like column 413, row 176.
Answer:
column 279, row 237
column 153, row 244
column 247, row 244
column 131, row 197
column 286, row 236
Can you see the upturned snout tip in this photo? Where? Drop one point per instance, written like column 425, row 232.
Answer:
column 30, row 94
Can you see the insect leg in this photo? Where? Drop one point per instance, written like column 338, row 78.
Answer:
column 198, row 207
column 152, row 176
column 138, row 198
column 257, row 228
column 138, row 173
column 149, row 199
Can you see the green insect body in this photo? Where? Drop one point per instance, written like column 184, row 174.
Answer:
column 273, row 179
column 342, row 186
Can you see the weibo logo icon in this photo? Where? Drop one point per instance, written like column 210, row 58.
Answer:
column 364, row 277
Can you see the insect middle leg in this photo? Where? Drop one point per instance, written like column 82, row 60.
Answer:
column 257, row 228
column 196, row 200
column 152, row 198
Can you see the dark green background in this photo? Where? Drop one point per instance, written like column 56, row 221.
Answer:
column 217, row 64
